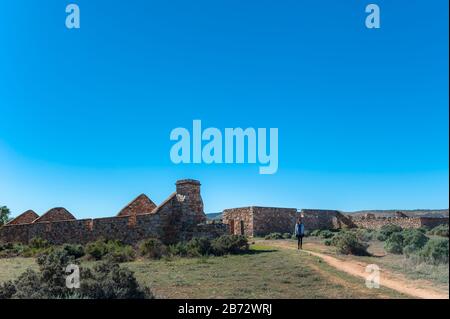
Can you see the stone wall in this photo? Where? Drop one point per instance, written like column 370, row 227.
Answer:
column 179, row 217
column 404, row 222
column 239, row 220
column 324, row 219
column 268, row 220
column 260, row 221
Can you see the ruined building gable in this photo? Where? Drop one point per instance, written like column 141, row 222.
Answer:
column 179, row 217
column 26, row 217
column 54, row 215
column 139, row 206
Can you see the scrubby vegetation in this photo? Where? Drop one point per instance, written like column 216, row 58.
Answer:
column 152, row 248
column 323, row 233
column 196, row 247
column 394, row 243
column 36, row 247
column 387, row 230
column 441, row 230
column 274, row 236
column 106, row 280
column 110, row 249
column 116, row 251
column 348, row 243
column 435, row 251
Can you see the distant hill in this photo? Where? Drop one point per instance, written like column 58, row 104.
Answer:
column 214, row 216
column 442, row 213
column 411, row 213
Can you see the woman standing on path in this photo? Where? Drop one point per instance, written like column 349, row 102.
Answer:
column 299, row 232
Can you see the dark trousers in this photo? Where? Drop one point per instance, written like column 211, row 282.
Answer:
column 300, row 241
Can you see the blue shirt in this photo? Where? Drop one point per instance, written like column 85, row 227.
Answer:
column 299, row 229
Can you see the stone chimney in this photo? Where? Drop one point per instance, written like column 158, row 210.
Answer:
column 188, row 194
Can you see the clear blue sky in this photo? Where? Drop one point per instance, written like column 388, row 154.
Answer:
column 85, row 115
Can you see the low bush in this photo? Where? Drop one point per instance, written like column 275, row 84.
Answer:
column 152, row 248
column 111, row 249
column 365, row 234
column 109, row 281
column 76, row 251
column 387, row 230
column 394, row 243
column 273, row 236
column 38, row 243
column 12, row 250
column 348, row 243
column 315, row 233
column 198, row 247
column 178, row 249
column 441, row 230
column 287, row 235
column 435, row 251
column 413, row 241
column 106, row 281
column 229, row 244
column 326, row 234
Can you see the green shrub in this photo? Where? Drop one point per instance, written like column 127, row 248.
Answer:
column 424, row 229
column 76, row 251
column 38, row 243
column 413, row 241
column 326, row 234
column 229, row 244
column 328, row 242
column 106, row 280
column 12, row 250
column 97, row 249
column 387, row 230
column 152, row 248
column 315, row 233
column 348, row 243
column 394, row 243
column 7, row 290
column 198, row 247
column 435, row 251
column 273, row 236
column 109, row 281
column 110, row 249
column 365, row 234
column 121, row 254
column 178, row 249
column 287, row 235
column 441, row 230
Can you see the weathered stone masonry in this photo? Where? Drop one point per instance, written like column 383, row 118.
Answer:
column 260, row 221
column 372, row 222
column 179, row 217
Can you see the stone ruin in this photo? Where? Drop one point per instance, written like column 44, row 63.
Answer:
column 180, row 217
column 261, row 221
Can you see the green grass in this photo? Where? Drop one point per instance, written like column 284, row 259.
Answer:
column 438, row 275
column 11, row 268
column 264, row 273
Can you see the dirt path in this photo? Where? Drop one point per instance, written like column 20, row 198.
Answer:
column 388, row 279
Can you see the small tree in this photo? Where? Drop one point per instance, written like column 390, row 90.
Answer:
column 4, row 215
